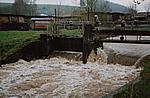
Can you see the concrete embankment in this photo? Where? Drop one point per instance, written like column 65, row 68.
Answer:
column 125, row 54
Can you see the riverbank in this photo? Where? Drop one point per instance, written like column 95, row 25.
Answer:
column 27, row 45
column 11, row 42
column 137, row 55
column 64, row 75
column 140, row 89
column 125, row 54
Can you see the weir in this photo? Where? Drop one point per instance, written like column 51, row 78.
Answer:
column 93, row 38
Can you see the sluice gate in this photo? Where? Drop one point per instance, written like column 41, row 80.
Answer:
column 92, row 39
column 61, row 43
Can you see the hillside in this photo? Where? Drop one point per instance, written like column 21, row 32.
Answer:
column 117, row 7
column 6, row 8
column 50, row 9
column 114, row 7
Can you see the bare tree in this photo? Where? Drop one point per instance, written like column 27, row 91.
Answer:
column 147, row 8
column 89, row 4
column 102, row 6
column 136, row 3
column 59, row 7
column 74, row 8
column 1, row 10
column 131, row 9
column 19, row 7
column 24, row 7
column 49, row 11
column 32, row 6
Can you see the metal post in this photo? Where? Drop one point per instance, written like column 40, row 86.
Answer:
column 55, row 23
column 87, row 37
column 88, row 14
column 55, row 15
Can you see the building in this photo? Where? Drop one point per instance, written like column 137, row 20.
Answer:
column 41, row 23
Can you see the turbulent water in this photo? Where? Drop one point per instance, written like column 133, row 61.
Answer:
column 64, row 76
column 59, row 77
column 126, row 54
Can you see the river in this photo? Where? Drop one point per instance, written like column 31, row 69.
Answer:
column 64, row 75
column 59, row 77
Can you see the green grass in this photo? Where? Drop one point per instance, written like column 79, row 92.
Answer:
column 12, row 41
column 139, row 90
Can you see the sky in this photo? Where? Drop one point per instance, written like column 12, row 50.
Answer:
column 130, row 2
column 63, row 2
column 77, row 2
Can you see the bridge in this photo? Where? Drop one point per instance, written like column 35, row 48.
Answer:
column 124, row 36
column 92, row 39
column 95, row 37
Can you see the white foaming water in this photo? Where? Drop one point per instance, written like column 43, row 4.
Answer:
column 100, row 57
column 58, row 77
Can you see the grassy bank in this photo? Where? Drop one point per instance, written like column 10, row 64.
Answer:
column 139, row 90
column 12, row 41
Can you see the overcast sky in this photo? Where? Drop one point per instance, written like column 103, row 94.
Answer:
column 65, row 2
column 77, row 2
column 130, row 2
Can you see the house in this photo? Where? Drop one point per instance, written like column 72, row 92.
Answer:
column 41, row 23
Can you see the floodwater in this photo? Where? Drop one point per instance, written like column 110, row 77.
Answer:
column 58, row 77
column 66, row 77
column 126, row 54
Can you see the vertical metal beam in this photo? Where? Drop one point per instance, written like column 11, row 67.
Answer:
column 46, row 44
column 87, row 38
column 88, row 14
column 55, row 28
column 55, row 15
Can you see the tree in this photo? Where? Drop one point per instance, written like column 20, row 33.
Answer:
column 96, row 5
column 102, row 6
column 24, row 7
column 59, row 8
column 19, row 7
column 131, row 10
column 1, row 10
column 147, row 8
column 32, row 7
column 136, row 3
column 89, row 4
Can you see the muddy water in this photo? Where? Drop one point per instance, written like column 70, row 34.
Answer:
column 118, row 58
column 125, row 54
column 58, row 77
column 64, row 76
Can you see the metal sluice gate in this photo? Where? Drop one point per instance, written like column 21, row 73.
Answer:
column 92, row 39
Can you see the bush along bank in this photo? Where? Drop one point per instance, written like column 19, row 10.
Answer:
column 141, row 89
